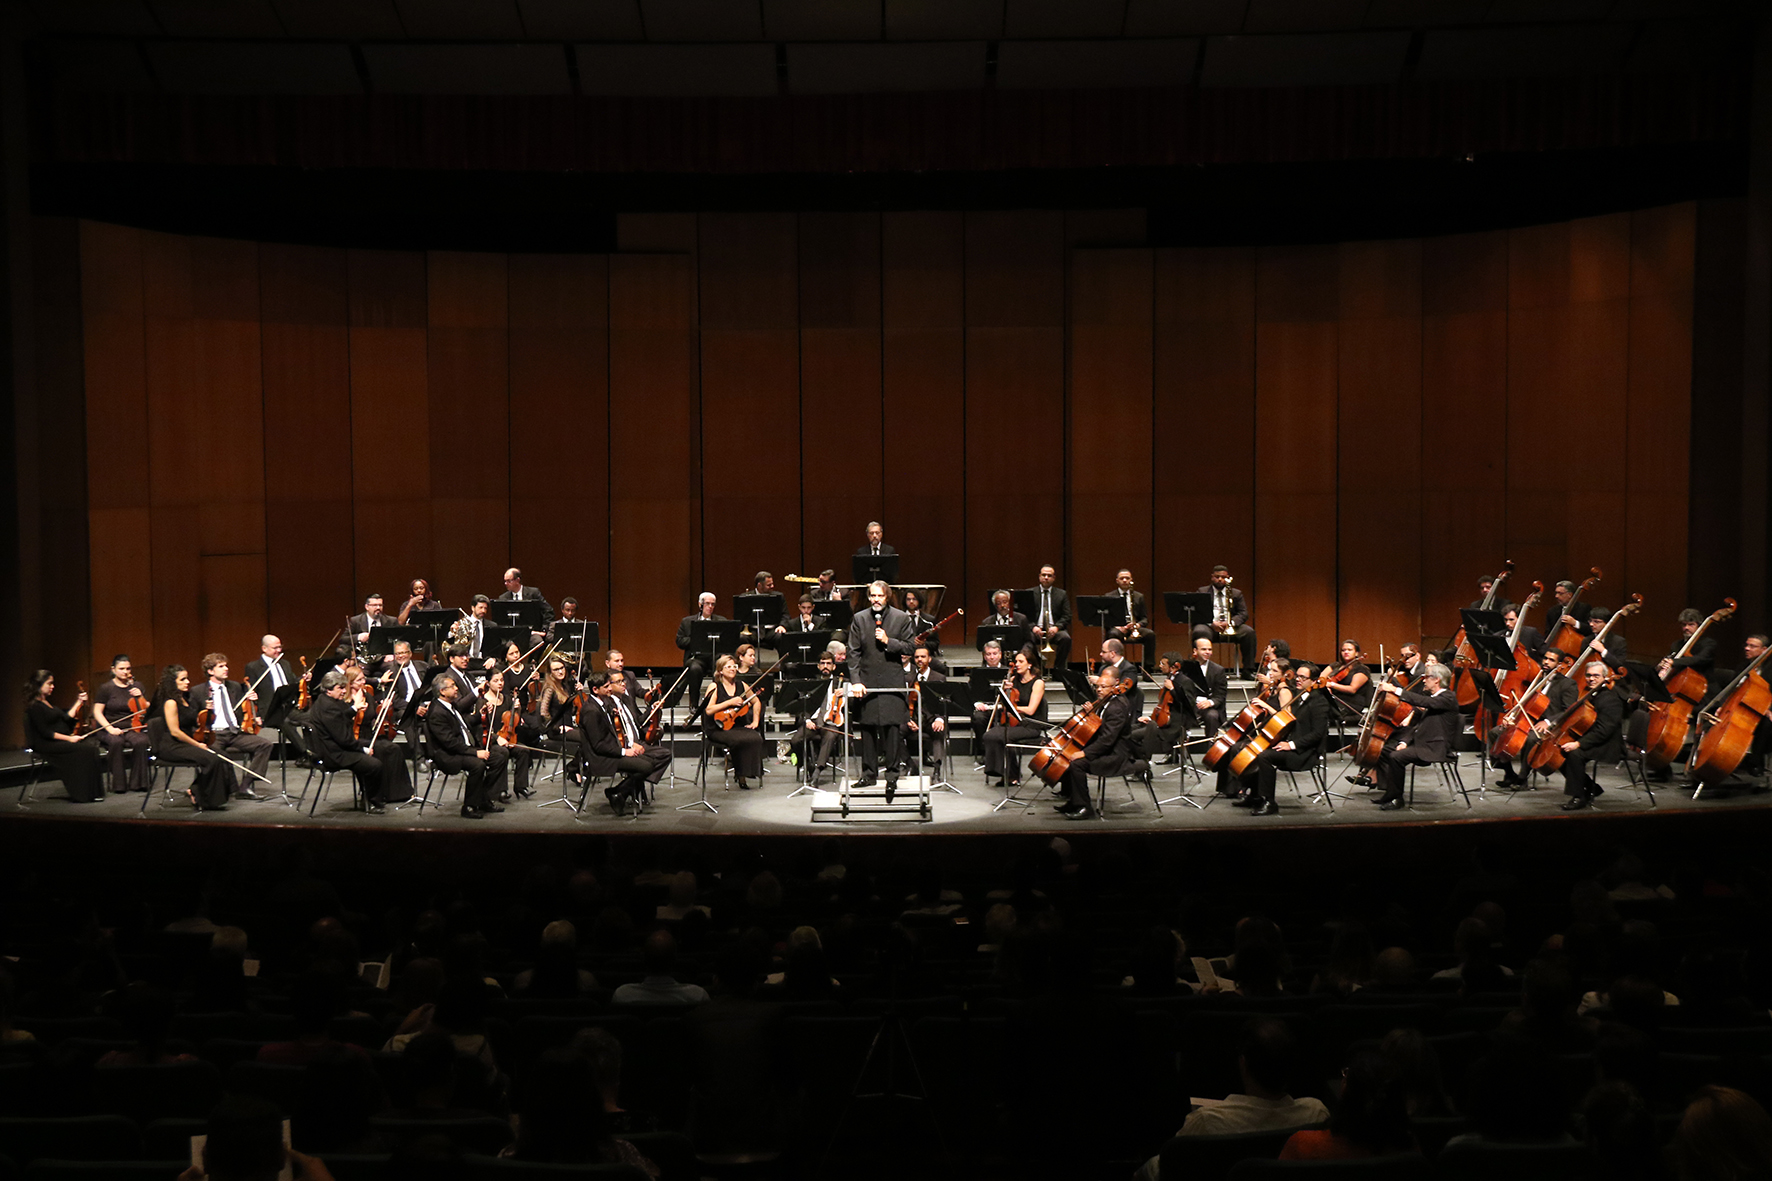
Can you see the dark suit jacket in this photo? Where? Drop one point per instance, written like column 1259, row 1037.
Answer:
column 684, row 638
column 470, row 693
column 1703, row 656
column 602, row 735
column 1578, row 610
column 1604, row 739
column 530, row 594
column 936, row 676
column 360, row 622
column 404, row 694
column 1139, row 615
column 1310, row 724
column 886, row 551
column 1435, row 726
column 236, row 693
column 1239, row 609
column 1110, row 750
column 1561, row 694
column 331, row 721
column 1061, row 607
column 269, row 711
column 1216, row 686
column 1135, row 695
column 1532, row 640
column 868, row 663
column 443, row 727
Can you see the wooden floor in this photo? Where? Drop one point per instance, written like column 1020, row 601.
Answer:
column 971, row 807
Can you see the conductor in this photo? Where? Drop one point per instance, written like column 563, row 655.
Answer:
column 879, row 640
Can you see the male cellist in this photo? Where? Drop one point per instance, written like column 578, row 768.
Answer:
column 1107, row 753
column 1427, row 739
column 1602, row 742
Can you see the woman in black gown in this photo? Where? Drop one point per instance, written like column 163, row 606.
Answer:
column 172, row 722
column 745, row 740
column 50, row 732
column 1030, row 703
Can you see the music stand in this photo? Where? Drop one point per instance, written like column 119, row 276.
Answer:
column 981, row 683
column 577, row 635
column 1012, row 638
column 954, row 699
column 494, row 639
column 1491, row 623
column 436, row 624
column 1076, row 686
column 714, row 636
column 512, row 614
column 1181, row 607
column 800, row 699
column 1493, row 651
column 866, row 568
column 1104, row 611
column 383, row 639
column 758, row 612
column 837, row 615
column 799, row 647
column 1026, row 601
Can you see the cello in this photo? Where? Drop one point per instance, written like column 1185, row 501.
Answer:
column 1562, row 636
column 1272, row 730
column 1244, row 724
column 1670, row 720
column 1464, row 656
column 1729, row 735
column 1053, row 760
column 1387, row 714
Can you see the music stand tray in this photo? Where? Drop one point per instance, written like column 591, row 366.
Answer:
column 515, row 613
column 1012, row 638
column 714, row 637
column 1188, row 607
column 1076, row 686
column 1492, row 650
column 494, row 639
column 866, row 568
column 807, row 645
column 574, row 635
column 758, row 612
column 837, row 614
column 1102, row 611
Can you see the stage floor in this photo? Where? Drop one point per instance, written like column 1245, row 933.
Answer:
column 970, row 810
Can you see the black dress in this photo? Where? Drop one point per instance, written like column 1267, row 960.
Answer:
column 216, row 780
column 77, row 765
column 745, row 743
column 998, row 758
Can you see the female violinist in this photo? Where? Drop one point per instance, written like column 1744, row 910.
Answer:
column 744, row 739
column 50, row 733
column 418, row 598
column 1021, row 701
column 1349, row 680
column 554, row 720
column 170, row 734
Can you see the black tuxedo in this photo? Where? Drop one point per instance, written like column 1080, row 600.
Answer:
column 603, row 732
column 382, row 774
column 867, row 551
column 1108, row 753
column 1532, row 640
column 453, row 750
column 1603, row 742
column 1240, row 634
column 879, row 666
column 935, row 742
column 362, row 622
column 274, row 701
column 1061, row 622
column 1185, row 684
column 1309, row 730
column 1703, row 656
column 1139, row 615
column 1134, row 695
column 465, row 681
column 1428, row 738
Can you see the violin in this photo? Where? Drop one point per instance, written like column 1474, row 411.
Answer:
column 249, row 722
column 1463, row 655
column 1730, row 735
column 201, row 731
column 507, row 727
column 138, row 709
column 302, row 700
column 1066, row 744
column 1562, row 636
column 1008, row 699
column 839, row 702
column 1669, row 720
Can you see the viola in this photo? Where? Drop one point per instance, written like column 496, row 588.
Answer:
column 1464, row 656
column 839, row 701
column 1008, row 704
column 1562, row 636
column 248, row 716
column 83, row 713
column 138, row 711
column 507, row 726
column 1727, row 739
column 1066, row 744
column 201, row 731
column 302, row 700
column 1670, row 720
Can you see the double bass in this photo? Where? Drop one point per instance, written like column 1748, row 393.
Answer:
column 1578, row 719
column 1521, row 720
column 1670, row 720
column 1563, row 637
column 1464, row 656
column 1053, row 760
column 1512, row 686
column 1728, row 735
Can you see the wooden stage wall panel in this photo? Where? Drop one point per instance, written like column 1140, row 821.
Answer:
column 1356, row 430
column 923, row 380
column 750, row 399
column 1110, row 423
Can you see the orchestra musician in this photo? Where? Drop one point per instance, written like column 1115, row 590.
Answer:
column 407, row 681
column 418, row 598
column 222, row 698
column 1113, row 655
column 1155, row 740
column 111, row 708
column 1427, row 739
column 1206, row 684
column 1014, row 728
column 613, row 744
column 981, row 710
column 1230, row 616
column 1052, row 617
column 744, row 741
column 1137, row 630
column 826, row 723
column 1351, row 681
column 470, row 631
column 515, row 591
column 1703, row 656
column 1296, row 750
column 826, row 590
column 935, row 724
column 49, row 732
column 1483, row 585
column 551, row 722
column 920, row 623
column 170, row 733
column 876, row 545
column 1531, row 638
column 568, row 614
column 693, row 659
column 375, row 763
column 1003, row 614
column 371, row 617
column 467, row 681
column 454, row 751
column 803, row 620
column 1753, row 764
column 1108, row 752
column 1613, row 650
column 1567, row 611
column 1276, row 695
column 625, row 682
column 1560, row 691
column 278, row 680
column 879, row 640
column 1602, row 742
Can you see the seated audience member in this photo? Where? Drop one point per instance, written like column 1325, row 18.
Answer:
column 1476, row 970
column 1546, row 1017
column 146, row 1012
column 1418, row 1066
column 314, row 1001
column 460, row 1012
column 428, row 1067
column 1514, row 1095
column 556, row 974
column 1394, row 973
column 661, row 986
column 561, row 1120
column 603, row 1051
column 1621, row 1139
column 1369, row 1119
column 1724, row 1136
column 1350, row 963
column 806, row 972
column 244, row 1142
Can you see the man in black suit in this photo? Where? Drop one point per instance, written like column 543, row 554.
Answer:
column 826, row 590
column 1530, row 637
column 277, row 679
column 1483, row 585
column 803, row 620
column 625, row 682
column 1230, row 617
column 1296, row 751
column 876, row 545
column 1113, row 655
column 223, row 699
column 817, row 725
column 407, row 681
column 1155, row 740
column 515, row 591
column 453, row 750
column 612, row 737
column 1560, row 690
column 568, row 614
column 1603, row 742
column 1429, row 736
column 694, row 659
column 1108, row 753
column 1703, row 655
column 879, row 640
column 1566, row 611
column 1138, row 630
column 1052, row 617
column 935, row 724
column 1004, row 614
column 1612, row 646
column 375, row 764
column 467, row 682
column 1201, row 687
column 371, row 617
